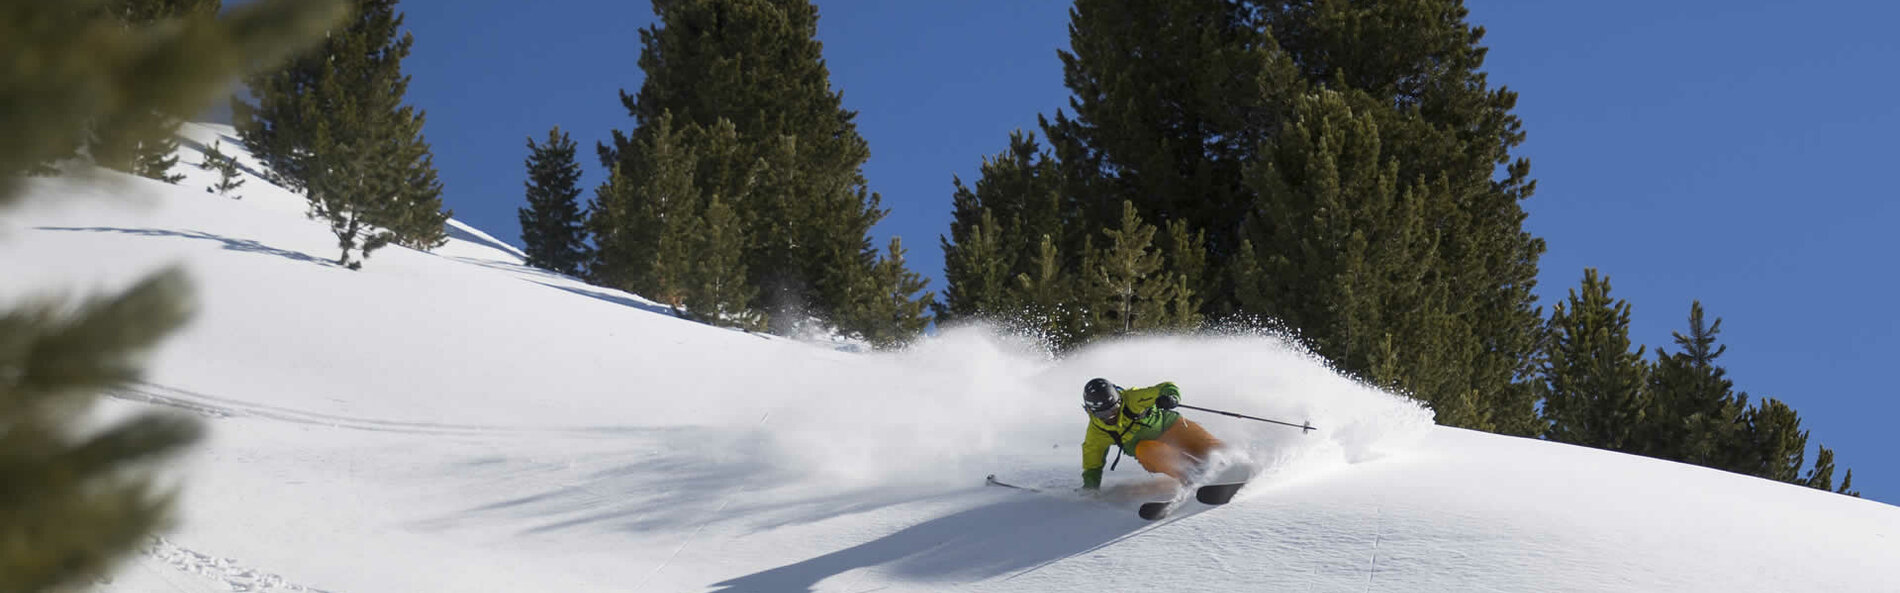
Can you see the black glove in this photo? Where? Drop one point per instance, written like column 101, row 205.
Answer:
column 1167, row 402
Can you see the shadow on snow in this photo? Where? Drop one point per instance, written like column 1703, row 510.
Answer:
column 1007, row 538
column 244, row 245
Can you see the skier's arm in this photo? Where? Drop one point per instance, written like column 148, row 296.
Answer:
column 1140, row 401
column 1094, row 455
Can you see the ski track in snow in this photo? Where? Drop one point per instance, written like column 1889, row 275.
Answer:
column 217, row 407
column 229, row 572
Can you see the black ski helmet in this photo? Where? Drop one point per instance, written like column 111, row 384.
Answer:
column 1100, row 396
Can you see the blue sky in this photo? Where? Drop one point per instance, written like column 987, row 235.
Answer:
column 1733, row 152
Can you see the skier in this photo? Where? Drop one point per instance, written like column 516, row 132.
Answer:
column 1142, row 421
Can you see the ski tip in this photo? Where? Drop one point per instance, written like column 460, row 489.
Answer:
column 1153, row 510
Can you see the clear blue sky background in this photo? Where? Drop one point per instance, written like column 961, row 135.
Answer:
column 1736, row 152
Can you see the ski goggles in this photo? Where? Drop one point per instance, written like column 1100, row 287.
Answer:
column 1105, row 411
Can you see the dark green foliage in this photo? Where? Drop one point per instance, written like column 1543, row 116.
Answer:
column 998, row 228
column 893, row 315
column 331, row 123
column 76, row 496
column 1695, row 415
column 551, row 225
column 1682, row 408
column 650, row 200
column 1047, row 294
column 1821, row 476
column 1128, row 290
column 68, row 504
column 662, row 230
column 1344, row 249
column 1775, row 445
column 145, row 12
column 1344, row 167
column 721, row 293
column 144, row 142
column 792, row 175
column 1594, row 385
column 227, row 168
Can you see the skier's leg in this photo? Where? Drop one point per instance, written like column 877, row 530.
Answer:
column 1191, row 439
column 1162, row 458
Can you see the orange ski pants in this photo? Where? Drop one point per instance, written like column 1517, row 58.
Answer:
column 1178, row 451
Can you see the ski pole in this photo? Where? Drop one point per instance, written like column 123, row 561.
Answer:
column 991, row 480
column 1304, row 427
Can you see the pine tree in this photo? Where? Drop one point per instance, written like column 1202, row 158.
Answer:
column 332, row 124
column 721, row 294
column 227, row 168
column 1821, row 476
column 144, row 143
column 976, row 269
column 1130, row 288
column 77, row 495
column 551, row 224
column 1593, row 383
column 1695, row 416
column 894, row 315
column 1174, row 101
column 1049, row 308
column 758, row 64
column 1775, row 446
column 1847, row 485
column 645, row 217
column 1340, row 247
column 997, row 228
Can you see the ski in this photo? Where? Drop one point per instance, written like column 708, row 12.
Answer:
column 1217, row 494
column 1159, row 509
column 1227, row 481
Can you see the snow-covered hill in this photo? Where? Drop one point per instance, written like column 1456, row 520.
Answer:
column 455, row 421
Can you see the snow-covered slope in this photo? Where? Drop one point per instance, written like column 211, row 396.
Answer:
column 455, row 421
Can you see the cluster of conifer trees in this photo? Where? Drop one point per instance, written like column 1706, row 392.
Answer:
column 1339, row 170
column 738, row 198
column 1597, row 392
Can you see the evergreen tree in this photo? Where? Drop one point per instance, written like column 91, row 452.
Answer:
column 1184, row 106
column 227, row 168
column 76, row 495
column 980, row 267
column 1821, row 476
column 721, row 294
column 758, row 65
column 1847, row 485
column 332, row 124
column 1775, row 446
column 894, row 316
column 997, row 229
column 1340, row 247
column 1593, row 383
column 551, row 224
column 720, row 290
column 1049, row 307
column 144, row 143
column 1130, row 290
column 1695, row 416
column 651, row 200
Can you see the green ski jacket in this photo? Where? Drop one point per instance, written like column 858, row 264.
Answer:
column 1139, row 421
